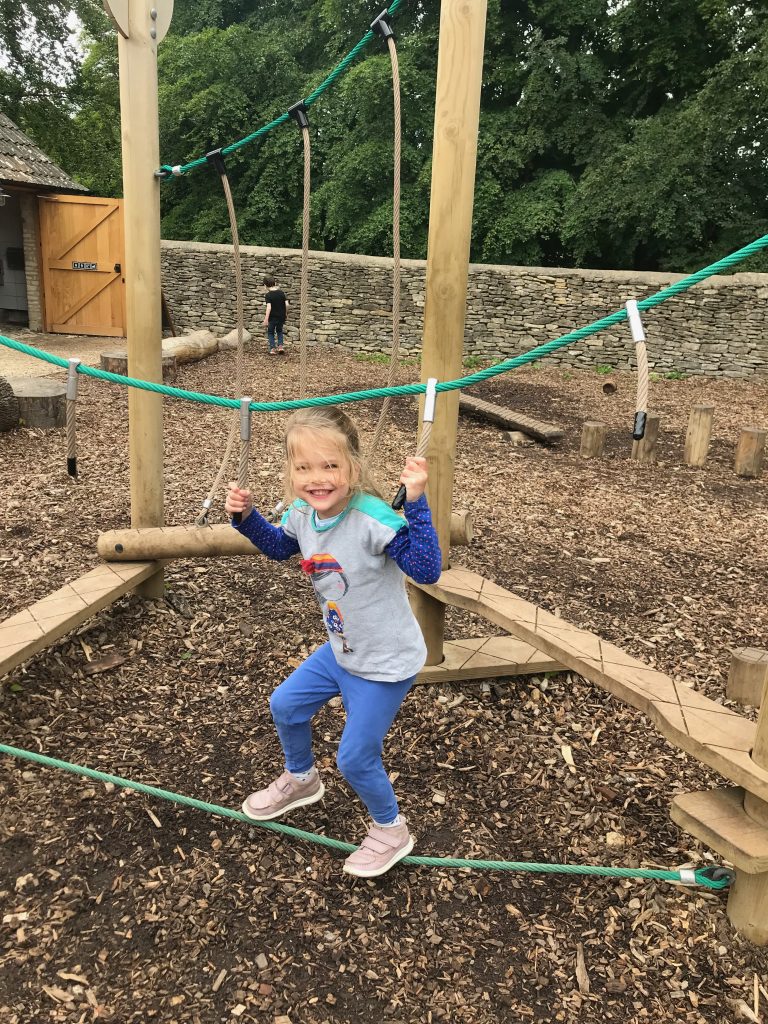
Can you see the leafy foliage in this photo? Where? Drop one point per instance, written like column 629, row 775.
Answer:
column 613, row 133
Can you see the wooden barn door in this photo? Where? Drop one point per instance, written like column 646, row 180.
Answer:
column 81, row 238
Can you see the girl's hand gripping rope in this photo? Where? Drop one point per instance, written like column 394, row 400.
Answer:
column 414, row 478
column 238, row 501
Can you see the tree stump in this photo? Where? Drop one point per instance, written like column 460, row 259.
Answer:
column 644, row 451
column 42, row 402
column 592, row 439
column 9, row 407
column 747, row 675
column 699, row 434
column 116, row 361
column 749, row 452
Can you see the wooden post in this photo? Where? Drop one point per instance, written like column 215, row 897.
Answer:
column 699, row 433
column 747, row 676
column 749, row 452
column 592, row 439
column 141, row 24
column 748, row 898
column 644, row 451
column 454, row 153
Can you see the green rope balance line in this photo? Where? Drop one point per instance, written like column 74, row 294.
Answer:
column 166, row 170
column 406, row 389
column 709, row 878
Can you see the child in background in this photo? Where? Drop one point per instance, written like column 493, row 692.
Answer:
column 275, row 315
column 356, row 552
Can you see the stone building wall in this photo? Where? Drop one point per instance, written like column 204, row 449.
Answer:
column 31, row 228
column 718, row 328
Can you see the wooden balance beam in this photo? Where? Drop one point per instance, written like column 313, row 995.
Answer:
column 160, row 542
column 508, row 418
column 44, row 622
column 735, row 825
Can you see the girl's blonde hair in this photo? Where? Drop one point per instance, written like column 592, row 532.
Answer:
column 333, row 425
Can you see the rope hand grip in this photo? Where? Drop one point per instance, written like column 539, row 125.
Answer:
column 427, row 420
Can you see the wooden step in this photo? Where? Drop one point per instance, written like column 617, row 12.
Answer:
column 508, row 418
column 46, row 621
column 487, row 657
column 718, row 819
column 703, row 728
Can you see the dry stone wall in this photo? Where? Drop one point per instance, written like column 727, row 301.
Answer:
column 719, row 328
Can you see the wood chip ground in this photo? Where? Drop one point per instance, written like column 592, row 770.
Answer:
column 119, row 908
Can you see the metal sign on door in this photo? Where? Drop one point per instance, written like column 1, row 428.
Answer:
column 82, row 247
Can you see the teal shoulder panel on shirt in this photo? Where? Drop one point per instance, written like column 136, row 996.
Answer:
column 298, row 503
column 379, row 510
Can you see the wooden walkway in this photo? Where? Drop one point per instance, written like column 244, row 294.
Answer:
column 46, row 621
column 709, row 732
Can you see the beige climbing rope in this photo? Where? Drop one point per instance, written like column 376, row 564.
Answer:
column 72, row 382
column 382, row 26
column 430, row 399
column 638, row 336
column 202, row 520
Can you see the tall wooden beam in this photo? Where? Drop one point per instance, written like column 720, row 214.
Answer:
column 454, row 153
column 141, row 25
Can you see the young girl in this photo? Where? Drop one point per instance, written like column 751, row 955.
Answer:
column 356, row 552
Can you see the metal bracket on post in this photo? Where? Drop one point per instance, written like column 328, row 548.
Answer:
column 299, row 114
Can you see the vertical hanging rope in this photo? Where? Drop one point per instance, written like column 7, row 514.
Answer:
column 217, row 161
column 299, row 113
column 382, row 26
column 72, row 417
column 430, row 398
column 641, row 402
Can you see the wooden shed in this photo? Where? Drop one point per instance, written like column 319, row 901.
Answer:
column 61, row 249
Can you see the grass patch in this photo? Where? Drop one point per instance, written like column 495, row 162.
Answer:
column 603, row 368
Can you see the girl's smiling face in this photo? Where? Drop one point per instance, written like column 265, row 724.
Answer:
column 321, row 473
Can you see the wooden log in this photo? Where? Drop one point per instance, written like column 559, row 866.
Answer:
column 698, row 436
column 747, row 675
column 9, row 407
column 190, row 348
column 42, row 402
column 162, row 542
column 644, row 451
column 116, row 361
column 228, row 342
column 462, row 530
column 592, row 439
column 501, row 416
column 749, row 452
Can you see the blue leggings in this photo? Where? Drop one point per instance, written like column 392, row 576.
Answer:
column 371, row 708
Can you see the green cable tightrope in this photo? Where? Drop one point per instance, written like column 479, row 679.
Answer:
column 699, row 877
column 407, row 389
column 167, row 170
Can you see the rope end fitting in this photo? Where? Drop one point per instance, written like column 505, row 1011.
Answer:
column 716, row 877
column 299, row 114
column 166, row 171
column 216, row 159
column 635, row 323
column 382, row 25
column 202, row 519
column 638, row 431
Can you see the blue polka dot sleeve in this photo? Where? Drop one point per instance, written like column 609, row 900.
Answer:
column 273, row 541
column 415, row 548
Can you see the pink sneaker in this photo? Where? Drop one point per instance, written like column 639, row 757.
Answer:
column 381, row 849
column 282, row 796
